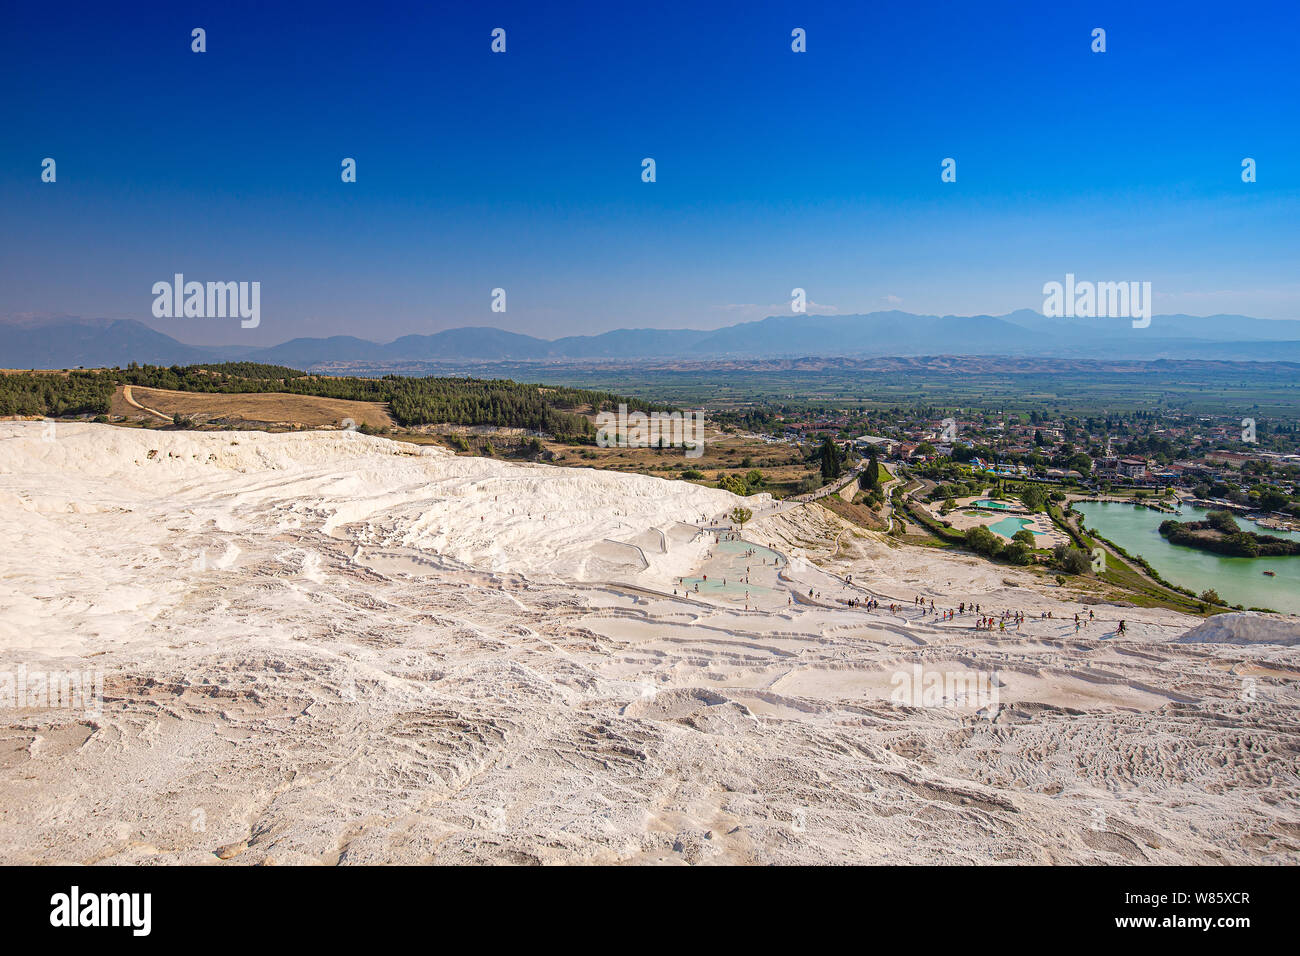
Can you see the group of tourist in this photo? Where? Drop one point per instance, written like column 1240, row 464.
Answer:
column 983, row 622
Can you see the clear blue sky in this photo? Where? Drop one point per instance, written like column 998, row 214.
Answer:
column 522, row 170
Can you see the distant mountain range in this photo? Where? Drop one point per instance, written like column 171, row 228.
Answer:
column 71, row 342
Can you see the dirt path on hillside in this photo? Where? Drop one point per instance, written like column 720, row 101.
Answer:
column 130, row 400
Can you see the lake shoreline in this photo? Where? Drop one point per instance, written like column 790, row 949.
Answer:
column 1237, row 580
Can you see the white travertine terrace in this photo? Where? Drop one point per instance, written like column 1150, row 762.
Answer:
column 324, row 647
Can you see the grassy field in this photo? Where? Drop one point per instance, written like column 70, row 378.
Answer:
column 253, row 408
column 782, row 466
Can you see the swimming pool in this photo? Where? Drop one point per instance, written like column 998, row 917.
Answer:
column 985, row 503
column 1007, row 527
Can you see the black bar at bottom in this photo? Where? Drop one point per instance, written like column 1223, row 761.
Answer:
column 304, row 905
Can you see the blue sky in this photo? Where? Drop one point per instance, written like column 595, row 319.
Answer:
column 523, row 170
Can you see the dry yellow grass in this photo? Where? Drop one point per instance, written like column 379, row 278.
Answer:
column 782, row 465
column 262, row 408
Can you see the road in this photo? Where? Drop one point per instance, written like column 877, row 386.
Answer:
column 130, row 400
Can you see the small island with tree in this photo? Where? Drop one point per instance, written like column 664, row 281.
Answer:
column 1220, row 533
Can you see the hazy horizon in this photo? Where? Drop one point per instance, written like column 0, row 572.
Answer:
column 168, row 327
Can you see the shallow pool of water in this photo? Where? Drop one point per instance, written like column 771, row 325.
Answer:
column 730, row 561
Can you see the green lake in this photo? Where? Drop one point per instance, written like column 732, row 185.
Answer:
column 1237, row 580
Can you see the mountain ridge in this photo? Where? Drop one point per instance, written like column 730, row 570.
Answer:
column 70, row 341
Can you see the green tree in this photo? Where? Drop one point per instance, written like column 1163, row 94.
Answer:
column 1223, row 522
column 1034, row 497
column 832, row 459
column 808, row 485
column 1025, row 537
column 983, row 541
column 1017, row 552
column 1071, row 560
column 1272, row 500
column 735, row 484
